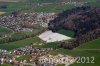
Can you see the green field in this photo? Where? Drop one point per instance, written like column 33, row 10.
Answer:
column 95, row 44
column 28, row 41
column 6, row 64
column 66, row 32
column 20, row 43
column 41, row 1
column 55, row 1
column 4, row 30
column 54, row 7
column 89, row 49
column 32, row 6
column 25, row 7
column 51, row 45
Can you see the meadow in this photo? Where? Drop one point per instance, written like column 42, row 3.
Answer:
column 66, row 32
column 89, row 49
column 35, row 6
column 4, row 30
column 20, row 43
column 9, row 0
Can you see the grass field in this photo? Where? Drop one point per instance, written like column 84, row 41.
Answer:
column 4, row 30
column 66, row 32
column 57, row 1
column 50, row 8
column 6, row 64
column 25, row 7
column 51, row 45
column 12, row 6
column 9, row 0
column 89, row 49
column 95, row 44
column 42, row 1
column 32, row 6
column 20, row 43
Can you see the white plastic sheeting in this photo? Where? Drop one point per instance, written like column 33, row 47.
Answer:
column 49, row 36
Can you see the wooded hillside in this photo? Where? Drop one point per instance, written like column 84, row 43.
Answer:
column 84, row 21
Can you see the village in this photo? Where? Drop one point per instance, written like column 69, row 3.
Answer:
column 38, row 56
column 19, row 22
column 49, row 32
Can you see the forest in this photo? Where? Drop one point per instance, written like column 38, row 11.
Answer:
column 84, row 21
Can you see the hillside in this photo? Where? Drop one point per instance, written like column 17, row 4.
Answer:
column 80, row 20
column 30, row 30
column 89, row 49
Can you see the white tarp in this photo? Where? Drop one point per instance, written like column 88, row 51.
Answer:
column 49, row 36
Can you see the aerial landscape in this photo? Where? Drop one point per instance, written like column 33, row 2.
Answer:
column 49, row 32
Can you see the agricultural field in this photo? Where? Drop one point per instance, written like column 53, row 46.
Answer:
column 66, row 32
column 57, row 1
column 9, row 0
column 28, row 41
column 42, row 1
column 50, row 8
column 23, row 7
column 89, row 49
column 20, row 43
column 6, row 64
column 50, row 45
column 4, row 30
column 11, row 7
column 35, row 5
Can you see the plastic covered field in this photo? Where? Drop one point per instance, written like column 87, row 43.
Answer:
column 49, row 36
